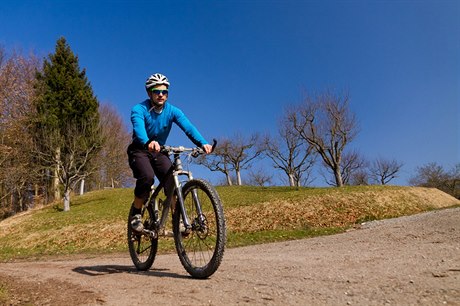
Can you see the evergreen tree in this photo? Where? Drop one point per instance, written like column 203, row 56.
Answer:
column 67, row 121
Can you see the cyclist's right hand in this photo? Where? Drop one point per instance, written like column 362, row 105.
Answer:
column 154, row 146
column 208, row 148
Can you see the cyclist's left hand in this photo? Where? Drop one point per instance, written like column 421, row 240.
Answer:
column 207, row 148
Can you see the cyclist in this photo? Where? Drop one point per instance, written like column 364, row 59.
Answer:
column 152, row 120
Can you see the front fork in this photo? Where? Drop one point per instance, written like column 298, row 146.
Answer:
column 180, row 200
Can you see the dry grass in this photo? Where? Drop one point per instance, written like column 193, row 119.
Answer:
column 97, row 220
column 336, row 210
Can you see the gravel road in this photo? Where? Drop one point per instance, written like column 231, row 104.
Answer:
column 412, row 260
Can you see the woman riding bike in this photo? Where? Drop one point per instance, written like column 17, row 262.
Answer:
column 152, row 120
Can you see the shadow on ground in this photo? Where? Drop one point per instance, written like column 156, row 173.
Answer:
column 100, row 270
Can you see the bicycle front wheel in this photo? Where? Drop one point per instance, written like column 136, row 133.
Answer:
column 142, row 248
column 200, row 250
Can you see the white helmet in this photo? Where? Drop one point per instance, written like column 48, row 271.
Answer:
column 156, row 79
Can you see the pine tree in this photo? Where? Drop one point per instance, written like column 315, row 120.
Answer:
column 67, row 121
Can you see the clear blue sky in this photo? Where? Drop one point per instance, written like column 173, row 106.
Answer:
column 234, row 65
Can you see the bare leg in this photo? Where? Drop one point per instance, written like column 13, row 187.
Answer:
column 138, row 202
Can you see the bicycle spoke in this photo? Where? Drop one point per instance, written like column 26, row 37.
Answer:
column 201, row 251
column 145, row 249
column 142, row 248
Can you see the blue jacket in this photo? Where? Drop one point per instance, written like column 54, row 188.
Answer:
column 148, row 125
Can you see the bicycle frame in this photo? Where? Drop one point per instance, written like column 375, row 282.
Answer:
column 177, row 171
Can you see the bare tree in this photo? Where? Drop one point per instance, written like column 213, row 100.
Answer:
column 17, row 175
column 433, row 175
column 76, row 149
column 219, row 161
column 259, row 177
column 384, row 170
column 352, row 164
column 111, row 161
column 326, row 123
column 242, row 152
column 453, row 184
column 429, row 175
column 234, row 154
column 359, row 178
column 289, row 153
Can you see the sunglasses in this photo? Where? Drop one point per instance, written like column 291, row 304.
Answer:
column 164, row 92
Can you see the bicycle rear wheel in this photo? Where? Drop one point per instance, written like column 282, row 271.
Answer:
column 142, row 248
column 201, row 250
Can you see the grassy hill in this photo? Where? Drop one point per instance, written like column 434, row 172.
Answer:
column 97, row 220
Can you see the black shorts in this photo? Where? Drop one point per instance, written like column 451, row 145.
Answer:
column 145, row 166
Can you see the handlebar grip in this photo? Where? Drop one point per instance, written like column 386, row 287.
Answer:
column 214, row 144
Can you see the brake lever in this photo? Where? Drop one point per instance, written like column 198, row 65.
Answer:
column 197, row 152
column 164, row 149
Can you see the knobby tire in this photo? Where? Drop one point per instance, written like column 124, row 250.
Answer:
column 201, row 251
column 142, row 248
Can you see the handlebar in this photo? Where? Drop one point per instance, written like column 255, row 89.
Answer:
column 195, row 152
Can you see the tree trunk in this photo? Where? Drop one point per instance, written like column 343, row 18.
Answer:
column 82, row 186
column 67, row 199
column 238, row 178
column 292, row 180
column 229, row 180
column 20, row 199
column 338, row 177
column 55, row 187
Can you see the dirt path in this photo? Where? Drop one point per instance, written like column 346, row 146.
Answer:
column 406, row 261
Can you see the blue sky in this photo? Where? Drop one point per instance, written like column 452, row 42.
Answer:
column 235, row 65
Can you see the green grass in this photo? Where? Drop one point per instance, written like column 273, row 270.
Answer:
column 96, row 222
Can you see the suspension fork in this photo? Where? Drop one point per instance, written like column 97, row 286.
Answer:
column 180, row 200
column 180, row 197
column 197, row 204
column 182, row 205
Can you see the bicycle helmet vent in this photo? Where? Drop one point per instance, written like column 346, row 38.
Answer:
column 156, row 79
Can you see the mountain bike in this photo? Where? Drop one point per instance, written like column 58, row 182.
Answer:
column 198, row 222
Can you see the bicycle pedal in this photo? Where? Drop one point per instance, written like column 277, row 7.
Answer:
column 151, row 234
